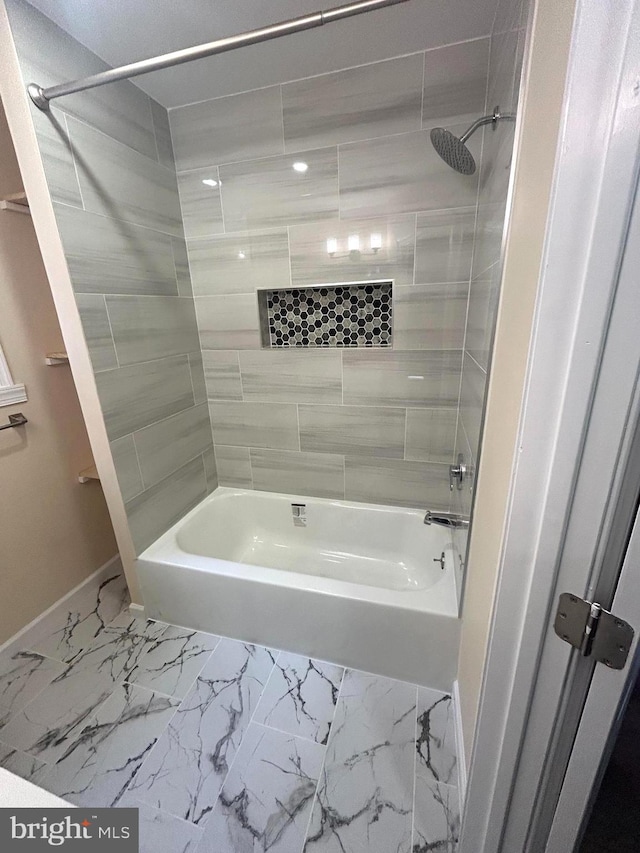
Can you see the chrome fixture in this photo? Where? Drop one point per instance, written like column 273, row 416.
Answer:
column 447, row 519
column 459, row 472
column 453, row 149
column 16, row 420
column 440, row 560
column 41, row 97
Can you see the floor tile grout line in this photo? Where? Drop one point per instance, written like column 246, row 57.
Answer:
column 324, row 761
column 288, row 734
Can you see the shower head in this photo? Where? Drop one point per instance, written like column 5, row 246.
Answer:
column 453, row 149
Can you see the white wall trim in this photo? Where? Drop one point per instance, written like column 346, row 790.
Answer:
column 459, row 733
column 12, row 394
column 38, row 626
column 137, row 610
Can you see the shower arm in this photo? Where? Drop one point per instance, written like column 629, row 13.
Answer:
column 41, row 97
column 493, row 119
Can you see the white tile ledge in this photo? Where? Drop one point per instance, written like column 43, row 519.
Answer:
column 17, row 793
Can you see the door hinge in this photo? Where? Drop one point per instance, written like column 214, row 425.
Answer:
column 594, row 631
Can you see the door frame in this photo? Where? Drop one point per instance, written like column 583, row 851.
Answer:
column 564, row 481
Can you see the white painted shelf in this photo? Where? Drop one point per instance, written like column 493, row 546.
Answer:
column 90, row 473
column 16, row 202
column 56, row 358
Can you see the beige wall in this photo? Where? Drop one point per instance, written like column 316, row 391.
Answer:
column 53, row 531
column 540, row 111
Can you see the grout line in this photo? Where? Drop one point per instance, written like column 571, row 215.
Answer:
column 406, row 429
column 415, row 770
column 424, row 74
column 324, row 759
column 325, row 73
column 415, row 250
column 113, row 340
column 284, row 147
column 289, row 734
column 73, row 160
column 154, row 129
column 224, row 224
column 135, row 448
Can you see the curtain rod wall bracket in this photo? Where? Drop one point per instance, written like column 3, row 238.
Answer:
column 42, row 97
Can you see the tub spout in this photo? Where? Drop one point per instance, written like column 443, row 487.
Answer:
column 447, row 519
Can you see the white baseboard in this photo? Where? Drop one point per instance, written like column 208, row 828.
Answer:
column 137, row 610
column 462, row 764
column 38, row 627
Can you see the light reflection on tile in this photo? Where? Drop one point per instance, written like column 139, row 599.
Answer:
column 200, row 201
column 269, row 193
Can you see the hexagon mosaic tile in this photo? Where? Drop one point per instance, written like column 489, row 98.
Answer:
column 352, row 315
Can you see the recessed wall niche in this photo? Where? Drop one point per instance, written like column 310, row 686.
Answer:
column 359, row 314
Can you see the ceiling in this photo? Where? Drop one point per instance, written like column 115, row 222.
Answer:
column 121, row 31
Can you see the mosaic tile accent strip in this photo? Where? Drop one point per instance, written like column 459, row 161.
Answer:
column 353, row 315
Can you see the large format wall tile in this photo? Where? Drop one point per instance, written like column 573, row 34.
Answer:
column 239, row 263
column 166, row 446
column 108, row 255
column 158, row 508
column 125, row 459
column 150, row 327
column 444, row 245
column 60, row 170
column 455, row 82
column 229, row 321
column 430, row 316
column 136, row 396
column 318, row 474
column 97, row 332
column 292, row 376
column 234, row 466
column 414, row 378
column 360, row 103
column 224, row 130
column 222, row 374
column 181, row 264
column 272, row 425
column 50, row 56
column 269, row 193
column 196, row 368
column 431, row 434
column 119, row 182
column 312, row 264
column 424, row 485
column 359, row 430
column 472, row 391
column 201, row 204
column 400, row 174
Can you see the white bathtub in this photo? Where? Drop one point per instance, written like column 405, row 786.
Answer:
column 357, row 584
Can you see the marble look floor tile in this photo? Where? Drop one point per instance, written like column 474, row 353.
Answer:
column 265, row 801
column 437, row 817
column 97, row 767
column 173, row 663
column 301, row 697
column 184, row 773
column 23, row 675
column 86, row 620
column 52, row 721
column 365, row 795
column 435, row 737
column 160, row 832
column 23, row 765
column 269, row 193
column 378, row 99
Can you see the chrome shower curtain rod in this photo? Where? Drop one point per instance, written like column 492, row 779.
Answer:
column 41, row 97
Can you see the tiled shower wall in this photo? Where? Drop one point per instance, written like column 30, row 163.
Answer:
column 109, row 165
column 505, row 63
column 368, row 425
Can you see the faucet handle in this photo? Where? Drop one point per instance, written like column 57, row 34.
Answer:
column 459, row 472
